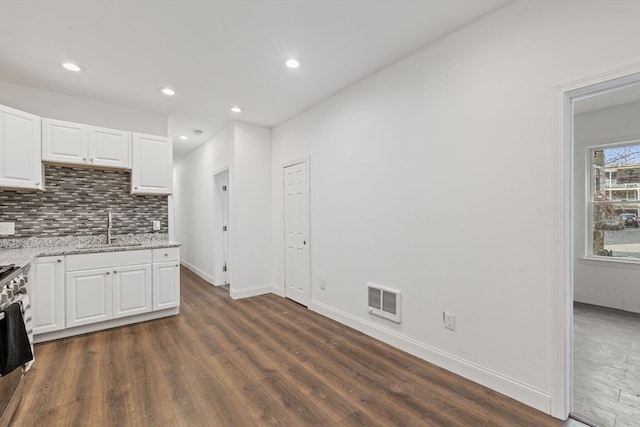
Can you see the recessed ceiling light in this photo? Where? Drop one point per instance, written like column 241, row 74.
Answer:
column 72, row 67
column 235, row 109
column 184, row 137
column 167, row 91
column 293, row 63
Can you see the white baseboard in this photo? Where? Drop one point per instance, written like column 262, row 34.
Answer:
column 603, row 301
column 633, row 307
column 250, row 292
column 524, row 393
column 207, row 277
column 278, row 290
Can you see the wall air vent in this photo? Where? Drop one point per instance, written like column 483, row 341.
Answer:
column 384, row 302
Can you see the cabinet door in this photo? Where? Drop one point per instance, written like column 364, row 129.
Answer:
column 109, row 147
column 89, row 296
column 166, row 285
column 131, row 290
column 20, row 156
column 47, row 294
column 64, row 142
column 151, row 165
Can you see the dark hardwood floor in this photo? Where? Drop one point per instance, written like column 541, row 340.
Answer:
column 254, row 362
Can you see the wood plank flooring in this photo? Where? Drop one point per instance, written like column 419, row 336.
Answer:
column 606, row 366
column 261, row 361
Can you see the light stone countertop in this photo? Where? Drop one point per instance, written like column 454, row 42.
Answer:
column 34, row 247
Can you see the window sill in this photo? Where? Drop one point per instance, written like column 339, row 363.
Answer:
column 633, row 263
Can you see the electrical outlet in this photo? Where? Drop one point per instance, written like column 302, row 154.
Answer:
column 323, row 284
column 7, row 228
column 449, row 320
column 156, row 225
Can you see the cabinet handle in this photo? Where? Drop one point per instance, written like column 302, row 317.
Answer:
column 37, row 184
column 135, row 188
column 166, row 254
column 115, row 271
column 84, row 159
column 177, row 265
column 59, row 260
column 108, row 272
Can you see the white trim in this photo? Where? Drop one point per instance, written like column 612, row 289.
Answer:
column 632, row 263
column 519, row 391
column 205, row 276
column 219, row 276
column 222, row 169
column 250, row 292
column 604, row 301
column 278, row 290
column 296, row 161
column 589, row 192
column 561, row 235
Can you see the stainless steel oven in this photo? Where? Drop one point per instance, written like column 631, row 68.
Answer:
column 12, row 280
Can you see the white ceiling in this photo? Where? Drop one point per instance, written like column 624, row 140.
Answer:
column 216, row 53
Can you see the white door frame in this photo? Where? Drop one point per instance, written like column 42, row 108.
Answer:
column 562, row 234
column 220, row 277
column 307, row 160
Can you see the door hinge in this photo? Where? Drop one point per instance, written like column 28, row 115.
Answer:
column 224, row 228
column 224, row 188
column 224, row 268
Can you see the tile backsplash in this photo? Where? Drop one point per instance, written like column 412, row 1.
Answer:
column 75, row 203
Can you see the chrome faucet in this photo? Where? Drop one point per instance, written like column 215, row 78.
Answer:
column 109, row 226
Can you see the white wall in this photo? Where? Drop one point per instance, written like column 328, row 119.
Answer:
column 250, row 211
column 432, row 177
column 54, row 105
column 194, row 201
column 605, row 283
column 245, row 150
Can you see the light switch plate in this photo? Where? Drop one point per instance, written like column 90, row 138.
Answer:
column 7, row 228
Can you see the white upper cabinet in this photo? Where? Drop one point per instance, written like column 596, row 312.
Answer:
column 64, row 142
column 151, row 165
column 20, row 158
column 109, row 147
column 78, row 144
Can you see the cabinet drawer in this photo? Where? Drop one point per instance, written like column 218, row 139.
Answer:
column 166, row 254
column 107, row 259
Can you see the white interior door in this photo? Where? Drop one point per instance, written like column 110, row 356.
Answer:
column 296, row 230
column 225, row 227
column 221, row 220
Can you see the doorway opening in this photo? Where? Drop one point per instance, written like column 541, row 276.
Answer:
column 605, row 304
column 221, row 226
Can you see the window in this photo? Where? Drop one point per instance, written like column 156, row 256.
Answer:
column 615, row 201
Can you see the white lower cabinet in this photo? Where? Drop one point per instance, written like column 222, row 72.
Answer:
column 131, row 290
column 46, row 291
column 166, row 278
column 89, row 296
column 102, row 290
column 107, row 285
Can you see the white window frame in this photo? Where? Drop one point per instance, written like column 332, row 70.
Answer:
column 590, row 202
